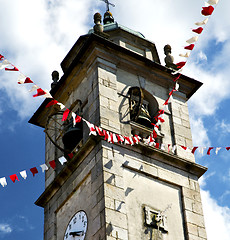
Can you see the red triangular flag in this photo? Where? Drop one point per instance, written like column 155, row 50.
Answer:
column 100, row 133
column 207, row 10
column 34, row 171
column 227, row 148
column 1, row 57
column 138, row 138
column 119, row 138
column 65, row 115
column 135, row 141
column 161, row 119
column 52, row 164
column 105, row 134
column 111, row 137
column 209, row 150
column 185, row 148
column 198, row 30
column 128, row 139
column 169, row 147
column 78, row 119
column 157, row 145
column 14, row 177
column 194, row 149
column 11, row 69
column 154, row 134
column 180, row 64
column 40, row 92
column 190, row 47
column 70, row 155
column 28, row 80
column 51, row 103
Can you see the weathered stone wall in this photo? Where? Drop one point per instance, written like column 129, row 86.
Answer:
column 83, row 190
column 133, row 180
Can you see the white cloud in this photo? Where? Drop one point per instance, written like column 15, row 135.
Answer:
column 38, row 46
column 217, row 218
column 224, row 127
column 200, row 136
column 36, row 35
column 5, row 228
column 226, row 177
column 202, row 56
column 224, row 195
column 203, row 179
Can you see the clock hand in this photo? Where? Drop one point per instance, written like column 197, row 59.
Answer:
column 76, row 233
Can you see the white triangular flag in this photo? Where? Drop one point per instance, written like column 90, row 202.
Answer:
column 115, row 138
column 162, row 146
column 137, row 139
column 186, row 55
column 34, row 88
column 174, row 149
column 157, row 131
column 74, row 117
column 131, row 140
column 4, row 64
column 177, row 86
column 62, row 106
column 44, row 167
column 109, row 137
column 202, row 23
column 192, row 40
column 3, row 181
column 217, row 150
column 92, row 129
column 62, row 160
column 47, row 95
column 213, row 2
column 146, row 140
column 23, row 174
column 21, row 78
column 201, row 150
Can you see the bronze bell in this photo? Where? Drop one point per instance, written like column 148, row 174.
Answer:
column 144, row 118
column 72, row 136
column 138, row 109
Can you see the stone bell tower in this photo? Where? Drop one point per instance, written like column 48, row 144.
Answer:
column 113, row 78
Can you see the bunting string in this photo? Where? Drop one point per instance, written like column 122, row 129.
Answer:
column 108, row 136
column 33, row 170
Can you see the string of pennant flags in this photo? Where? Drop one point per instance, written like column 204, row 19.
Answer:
column 110, row 136
column 34, row 171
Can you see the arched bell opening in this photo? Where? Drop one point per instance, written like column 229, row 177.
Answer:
column 73, row 134
column 73, row 131
column 65, row 135
column 143, row 107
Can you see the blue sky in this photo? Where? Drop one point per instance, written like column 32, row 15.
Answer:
column 35, row 36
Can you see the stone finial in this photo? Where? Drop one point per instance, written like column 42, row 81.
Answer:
column 108, row 18
column 169, row 59
column 98, row 28
column 55, row 78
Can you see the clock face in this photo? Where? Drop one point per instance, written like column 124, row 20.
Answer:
column 77, row 227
